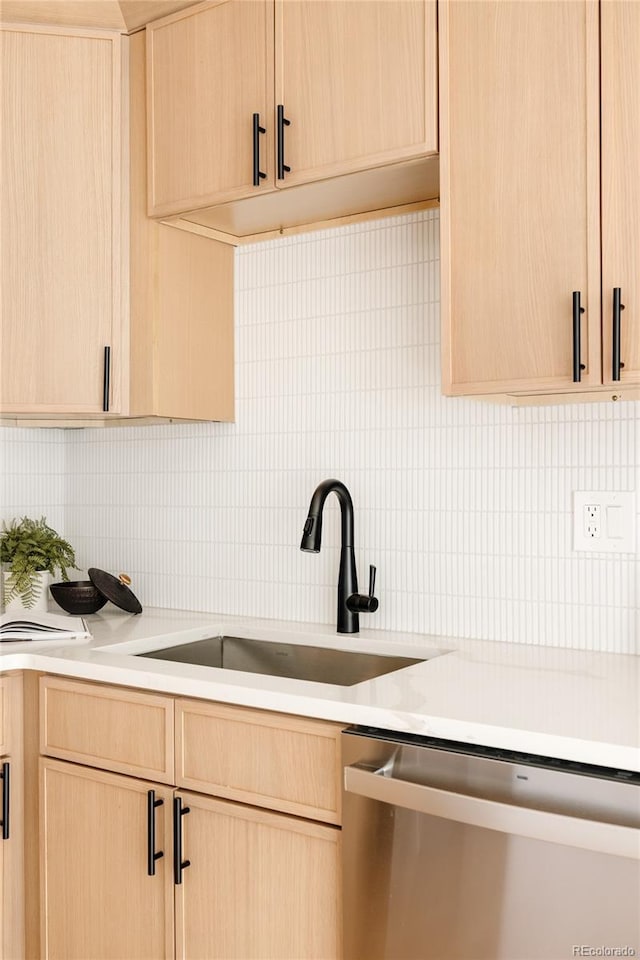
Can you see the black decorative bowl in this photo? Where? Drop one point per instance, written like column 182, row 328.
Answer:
column 79, row 596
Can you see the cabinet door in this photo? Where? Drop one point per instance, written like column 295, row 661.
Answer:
column 5, row 886
column 11, row 868
column 621, row 183
column 97, row 899
column 210, row 68
column 61, row 156
column 358, row 82
column 259, row 886
column 519, row 178
column 12, row 908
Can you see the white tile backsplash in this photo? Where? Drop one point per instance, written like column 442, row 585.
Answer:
column 465, row 507
column 32, row 475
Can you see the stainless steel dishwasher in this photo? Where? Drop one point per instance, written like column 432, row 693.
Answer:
column 455, row 852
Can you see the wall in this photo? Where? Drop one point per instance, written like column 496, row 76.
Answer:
column 465, row 507
column 32, row 475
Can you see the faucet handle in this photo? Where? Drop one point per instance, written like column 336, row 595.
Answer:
column 372, row 580
column 361, row 602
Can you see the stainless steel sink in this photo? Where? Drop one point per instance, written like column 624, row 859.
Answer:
column 297, row 661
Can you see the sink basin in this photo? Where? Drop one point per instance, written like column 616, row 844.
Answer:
column 296, row 661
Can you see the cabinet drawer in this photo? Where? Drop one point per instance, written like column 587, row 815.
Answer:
column 10, row 699
column 4, row 717
column 265, row 759
column 108, row 727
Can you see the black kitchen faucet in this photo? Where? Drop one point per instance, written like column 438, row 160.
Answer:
column 350, row 602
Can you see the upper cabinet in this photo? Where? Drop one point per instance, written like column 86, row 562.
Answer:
column 62, row 240
column 357, row 82
column 210, row 69
column 520, row 194
column 620, row 33
column 106, row 314
column 180, row 298
column 346, row 89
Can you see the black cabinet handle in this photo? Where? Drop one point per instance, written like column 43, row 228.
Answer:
column 106, row 380
column 258, row 175
column 577, row 312
column 152, row 853
column 618, row 307
column 178, row 863
column 5, row 800
column 282, row 122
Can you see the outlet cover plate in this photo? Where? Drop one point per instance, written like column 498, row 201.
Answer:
column 615, row 521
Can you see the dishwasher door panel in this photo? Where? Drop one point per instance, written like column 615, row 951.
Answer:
column 423, row 887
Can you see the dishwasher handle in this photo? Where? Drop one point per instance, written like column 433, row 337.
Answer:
column 593, row 835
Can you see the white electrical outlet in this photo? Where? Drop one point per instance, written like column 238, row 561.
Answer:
column 604, row 521
column 592, row 521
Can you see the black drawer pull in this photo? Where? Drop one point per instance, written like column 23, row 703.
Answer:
column 577, row 312
column 258, row 175
column 618, row 307
column 282, row 122
column 178, row 863
column 106, row 379
column 152, row 853
column 4, row 823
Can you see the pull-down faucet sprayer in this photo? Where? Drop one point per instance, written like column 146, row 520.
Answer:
column 350, row 602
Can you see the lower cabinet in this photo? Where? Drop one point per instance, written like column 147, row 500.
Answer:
column 258, row 884
column 133, row 868
column 98, row 900
column 11, row 819
column 11, row 903
column 11, row 933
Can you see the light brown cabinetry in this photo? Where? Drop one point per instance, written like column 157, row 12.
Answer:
column 222, row 749
column 276, row 874
column 123, row 15
column 12, row 928
column 356, row 84
column 181, row 298
column 97, row 898
column 210, row 69
column 241, row 880
column 620, row 70
column 520, row 207
column 92, row 724
column 5, row 714
column 105, row 314
column 62, row 232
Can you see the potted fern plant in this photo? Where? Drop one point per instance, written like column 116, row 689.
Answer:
column 30, row 551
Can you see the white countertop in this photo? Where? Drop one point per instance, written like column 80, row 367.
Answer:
column 555, row 702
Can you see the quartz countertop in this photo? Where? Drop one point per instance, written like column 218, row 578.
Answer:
column 554, row 702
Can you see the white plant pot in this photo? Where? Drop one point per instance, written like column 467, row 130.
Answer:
column 42, row 596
